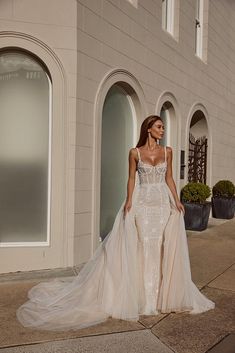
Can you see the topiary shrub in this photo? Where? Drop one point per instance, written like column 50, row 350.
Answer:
column 223, row 188
column 195, row 192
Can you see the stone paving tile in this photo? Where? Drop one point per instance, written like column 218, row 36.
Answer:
column 131, row 342
column 150, row 320
column 211, row 252
column 185, row 333
column 12, row 295
column 227, row 345
column 226, row 280
column 209, row 258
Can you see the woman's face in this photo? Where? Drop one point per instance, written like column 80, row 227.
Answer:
column 157, row 130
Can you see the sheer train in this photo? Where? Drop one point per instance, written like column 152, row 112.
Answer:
column 110, row 284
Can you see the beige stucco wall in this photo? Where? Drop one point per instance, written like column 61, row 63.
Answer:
column 49, row 30
column 92, row 39
column 114, row 34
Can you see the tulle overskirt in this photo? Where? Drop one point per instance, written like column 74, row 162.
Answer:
column 109, row 283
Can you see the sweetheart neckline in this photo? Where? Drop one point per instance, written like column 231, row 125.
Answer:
column 150, row 165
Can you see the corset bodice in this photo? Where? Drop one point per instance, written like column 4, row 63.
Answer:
column 149, row 174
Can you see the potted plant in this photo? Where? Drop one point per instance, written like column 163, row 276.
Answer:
column 223, row 199
column 197, row 209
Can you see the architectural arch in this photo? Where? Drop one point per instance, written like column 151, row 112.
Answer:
column 133, row 90
column 198, row 122
column 168, row 108
column 55, row 253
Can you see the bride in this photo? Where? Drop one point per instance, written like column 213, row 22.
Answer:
column 142, row 267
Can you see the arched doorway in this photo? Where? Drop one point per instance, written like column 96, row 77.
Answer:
column 118, row 134
column 198, row 148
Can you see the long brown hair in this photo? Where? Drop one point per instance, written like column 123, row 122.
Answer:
column 146, row 124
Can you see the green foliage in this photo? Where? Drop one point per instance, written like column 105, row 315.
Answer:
column 223, row 188
column 195, row 192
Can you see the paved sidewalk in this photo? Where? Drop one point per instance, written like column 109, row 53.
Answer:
column 212, row 256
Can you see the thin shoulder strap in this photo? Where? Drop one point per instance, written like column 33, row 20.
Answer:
column 138, row 153
column 165, row 153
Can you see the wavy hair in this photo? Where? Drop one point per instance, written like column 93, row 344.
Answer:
column 147, row 124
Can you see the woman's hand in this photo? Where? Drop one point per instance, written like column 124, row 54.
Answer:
column 180, row 206
column 127, row 207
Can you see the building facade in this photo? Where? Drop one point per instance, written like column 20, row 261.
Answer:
column 77, row 78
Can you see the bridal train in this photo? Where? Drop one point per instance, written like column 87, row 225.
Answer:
column 141, row 267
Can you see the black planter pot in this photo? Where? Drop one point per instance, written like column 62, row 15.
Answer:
column 223, row 207
column 196, row 215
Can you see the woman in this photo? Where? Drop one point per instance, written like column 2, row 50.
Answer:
column 142, row 266
column 152, row 208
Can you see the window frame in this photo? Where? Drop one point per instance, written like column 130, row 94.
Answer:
column 201, row 29
column 168, row 7
column 26, row 244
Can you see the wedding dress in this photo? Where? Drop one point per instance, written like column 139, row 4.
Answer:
column 141, row 267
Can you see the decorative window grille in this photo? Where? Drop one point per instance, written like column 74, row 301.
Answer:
column 197, row 159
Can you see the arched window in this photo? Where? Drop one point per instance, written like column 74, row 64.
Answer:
column 117, row 138
column 25, row 93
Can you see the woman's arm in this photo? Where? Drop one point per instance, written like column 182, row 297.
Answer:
column 131, row 179
column 170, row 181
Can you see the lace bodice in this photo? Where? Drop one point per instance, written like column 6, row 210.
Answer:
column 151, row 174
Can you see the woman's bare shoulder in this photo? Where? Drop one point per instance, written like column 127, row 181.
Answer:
column 133, row 153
